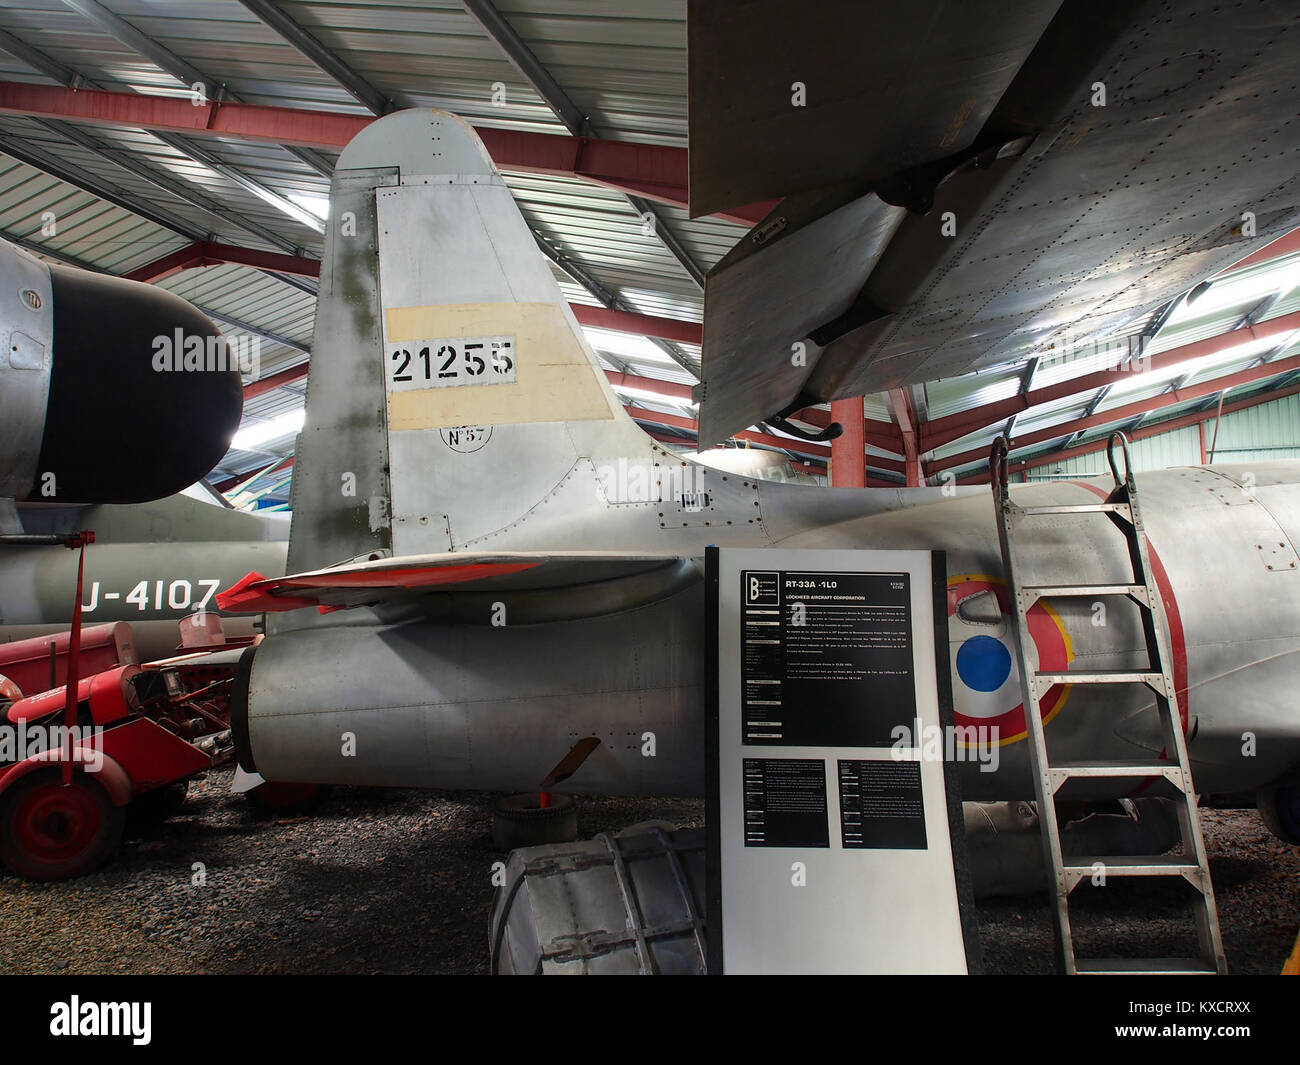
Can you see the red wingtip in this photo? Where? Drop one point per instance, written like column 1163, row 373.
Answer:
column 236, row 595
column 251, row 595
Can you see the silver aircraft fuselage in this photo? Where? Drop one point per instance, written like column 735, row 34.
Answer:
column 452, row 704
column 413, row 447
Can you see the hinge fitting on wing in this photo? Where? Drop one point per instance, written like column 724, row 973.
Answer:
column 778, row 421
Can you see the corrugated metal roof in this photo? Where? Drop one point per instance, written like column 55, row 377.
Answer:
column 956, row 394
column 621, row 62
column 67, row 220
column 1264, row 291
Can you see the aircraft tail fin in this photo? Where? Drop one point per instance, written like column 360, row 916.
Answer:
column 451, row 389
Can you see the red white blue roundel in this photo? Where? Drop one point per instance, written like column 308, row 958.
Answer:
column 982, row 647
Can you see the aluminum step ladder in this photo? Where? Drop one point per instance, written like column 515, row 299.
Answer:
column 1121, row 508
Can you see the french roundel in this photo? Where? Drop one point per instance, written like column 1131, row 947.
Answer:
column 982, row 647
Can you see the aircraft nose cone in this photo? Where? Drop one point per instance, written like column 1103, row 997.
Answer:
column 143, row 397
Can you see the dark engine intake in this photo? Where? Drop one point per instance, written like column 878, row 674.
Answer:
column 99, row 406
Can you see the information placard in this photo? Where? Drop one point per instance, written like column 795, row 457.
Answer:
column 835, row 845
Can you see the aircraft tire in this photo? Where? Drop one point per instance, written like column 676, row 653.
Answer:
column 520, row 821
column 1279, row 809
column 49, row 832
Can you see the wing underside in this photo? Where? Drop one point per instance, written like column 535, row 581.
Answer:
column 1116, row 159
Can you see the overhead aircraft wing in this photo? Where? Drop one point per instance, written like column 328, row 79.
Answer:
column 886, row 86
column 996, row 181
column 389, row 579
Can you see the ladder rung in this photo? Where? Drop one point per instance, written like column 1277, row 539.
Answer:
column 1113, row 770
column 1171, row 771
column 1122, row 508
column 1043, row 591
column 1132, row 864
column 1102, row 676
column 1057, row 591
column 1137, row 966
column 1077, row 508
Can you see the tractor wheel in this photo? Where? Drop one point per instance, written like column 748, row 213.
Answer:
column 154, row 807
column 52, row 832
column 522, row 821
column 1279, row 809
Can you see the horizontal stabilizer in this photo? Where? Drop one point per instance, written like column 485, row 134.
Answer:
column 385, row 579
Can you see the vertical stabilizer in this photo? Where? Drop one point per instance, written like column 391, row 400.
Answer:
column 449, row 377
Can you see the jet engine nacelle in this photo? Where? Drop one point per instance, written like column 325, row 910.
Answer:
column 97, row 404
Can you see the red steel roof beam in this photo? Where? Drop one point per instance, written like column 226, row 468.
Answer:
column 668, row 438
column 173, row 263
column 210, row 253
column 1127, row 410
column 784, row 443
column 656, row 171
column 646, row 384
column 642, row 324
column 1169, row 425
column 273, row 381
column 901, row 404
column 298, row 265
column 243, row 478
column 1287, row 244
column 945, row 430
column 649, row 384
column 849, row 449
column 676, row 421
column 883, row 435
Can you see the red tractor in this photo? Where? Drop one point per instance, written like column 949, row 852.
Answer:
column 125, row 740
column 140, row 734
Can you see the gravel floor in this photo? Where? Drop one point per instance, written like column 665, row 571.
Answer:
column 398, row 881
column 1257, row 888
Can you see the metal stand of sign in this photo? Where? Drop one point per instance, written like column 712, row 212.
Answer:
column 1121, row 508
